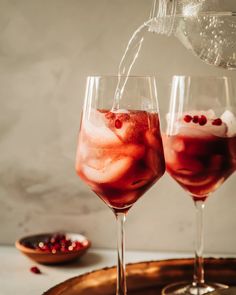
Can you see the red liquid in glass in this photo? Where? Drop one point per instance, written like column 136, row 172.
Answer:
column 200, row 162
column 120, row 155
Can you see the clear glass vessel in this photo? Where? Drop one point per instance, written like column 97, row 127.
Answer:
column 206, row 27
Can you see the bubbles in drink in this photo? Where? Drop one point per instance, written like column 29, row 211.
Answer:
column 211, row 37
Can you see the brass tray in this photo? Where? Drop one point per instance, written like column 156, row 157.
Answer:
column 147, row 277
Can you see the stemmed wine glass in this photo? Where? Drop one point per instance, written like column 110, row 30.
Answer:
column 200, row 152
column 120, row 153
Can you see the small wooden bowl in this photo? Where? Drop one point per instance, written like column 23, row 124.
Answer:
column 46, row 257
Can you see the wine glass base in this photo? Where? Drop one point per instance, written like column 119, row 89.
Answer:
column 189, row 289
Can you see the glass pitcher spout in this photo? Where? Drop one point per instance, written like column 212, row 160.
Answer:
column 162, row 17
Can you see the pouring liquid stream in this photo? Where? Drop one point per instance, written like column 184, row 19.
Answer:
column 128, row 60
column 209, row 35
column 132, row 51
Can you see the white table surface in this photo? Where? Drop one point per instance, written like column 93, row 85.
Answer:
column 17, row 279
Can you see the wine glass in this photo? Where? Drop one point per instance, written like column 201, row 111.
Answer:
column 200, row 152
column 120, row 153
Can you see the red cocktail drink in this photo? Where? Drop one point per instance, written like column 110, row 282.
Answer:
column 201, row 155
column 120, row 155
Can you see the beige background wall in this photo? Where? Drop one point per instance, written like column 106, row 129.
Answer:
column 47, row 48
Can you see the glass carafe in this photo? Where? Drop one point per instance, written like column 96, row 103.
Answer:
column 206, row 27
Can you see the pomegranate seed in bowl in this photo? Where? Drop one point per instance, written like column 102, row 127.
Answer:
column 53, row 248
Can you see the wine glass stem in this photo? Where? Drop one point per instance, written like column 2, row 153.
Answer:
column 198, row 277
column 121, row 279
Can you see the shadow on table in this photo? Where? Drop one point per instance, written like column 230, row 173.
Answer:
column 89, row 259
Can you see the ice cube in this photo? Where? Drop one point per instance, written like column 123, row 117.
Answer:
column 132, row 150
column 178, row 144
column 97, row 131
column 220, row 131
column 82, row 150
column 190, row 130
column 110, row 173
column 98, row 163
column 229, row 119
column 81, row 153
column 196, row 130
column 153, row 141
column 170, row 154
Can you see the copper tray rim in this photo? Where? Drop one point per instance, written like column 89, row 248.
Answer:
column 189, row 261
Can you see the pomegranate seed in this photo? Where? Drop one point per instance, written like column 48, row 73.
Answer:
column 202, row 120
column 118, row 124
column 195, row 119
column 63, row 249
column 217, row 122
column 56, row 243
column 44, row 247
column 35, row 270
column 56, row 248
column 78, row 245
column 188, row 118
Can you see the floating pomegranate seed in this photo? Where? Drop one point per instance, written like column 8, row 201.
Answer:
column 35, row 270
column 202, row 120
column 217, row 122
column 188, row 118
column 195, row 119
column 118, row 124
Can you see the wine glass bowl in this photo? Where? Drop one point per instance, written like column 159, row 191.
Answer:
column 118, row 155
